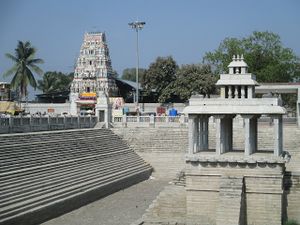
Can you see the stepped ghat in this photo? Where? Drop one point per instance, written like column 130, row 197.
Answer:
column 46, row 174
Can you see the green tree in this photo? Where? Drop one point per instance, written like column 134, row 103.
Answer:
column 114, row 74
column 48, row 84
column 130, row 74
column 159, row 75
column 264, row 54
column 24, row 64
column 194, row 78
column 55, row 81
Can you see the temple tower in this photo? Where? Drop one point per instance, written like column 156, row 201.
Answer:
column 234, row 186
column 93, row 76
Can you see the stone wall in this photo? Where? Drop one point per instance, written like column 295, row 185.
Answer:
column 65, row 107
column 151, row 107
column 55, row 108
column 163, row 147
column 230, row 194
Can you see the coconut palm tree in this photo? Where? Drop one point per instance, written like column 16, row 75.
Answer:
column 25, row 63
column 55, row 81
column 49, row 82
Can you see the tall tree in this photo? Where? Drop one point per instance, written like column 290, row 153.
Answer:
column 194, row 78
column 55, row 81
column 264, row 54
column 159, row 75
column 25, row 63
column 130, row 74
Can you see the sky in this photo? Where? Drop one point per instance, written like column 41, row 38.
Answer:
column 183, row 29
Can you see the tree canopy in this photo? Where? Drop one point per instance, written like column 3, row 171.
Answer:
column 55, row 81
column 130, row 74
column 190, row 79
column 25, row 65
column 264, row 53
column 176, row 84
column 159, row 75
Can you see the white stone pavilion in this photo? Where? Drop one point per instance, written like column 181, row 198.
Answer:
column 237, row 97
column 226, row 186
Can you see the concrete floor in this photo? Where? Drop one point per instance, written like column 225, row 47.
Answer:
column 121, row 208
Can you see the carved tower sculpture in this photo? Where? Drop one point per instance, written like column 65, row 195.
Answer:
column 93, row 76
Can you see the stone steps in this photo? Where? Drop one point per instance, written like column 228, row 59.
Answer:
column 44, row 136
column 155, row 139
column 60, row 155
column 25, row 189
column 162, row 147
column 33, row 173
column 53, row 172
column 19, row 148
column 230, row 194
column 17, row 141
column 161, row 140
column 40, row 159
column 74, row 149
column 40, row 195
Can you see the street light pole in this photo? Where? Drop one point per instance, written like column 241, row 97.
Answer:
column 137, row 25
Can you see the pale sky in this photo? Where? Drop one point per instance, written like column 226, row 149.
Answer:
column 184, row 29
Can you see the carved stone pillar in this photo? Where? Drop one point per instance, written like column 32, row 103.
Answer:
column 193, row 134
column 278, row 140
column 250, row 128
column 203, row 132
column 224, row 133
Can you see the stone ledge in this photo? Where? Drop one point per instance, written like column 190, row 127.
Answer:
column 238, row 160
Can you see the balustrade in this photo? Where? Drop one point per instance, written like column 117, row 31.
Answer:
column 149, row 119
column 14, row 124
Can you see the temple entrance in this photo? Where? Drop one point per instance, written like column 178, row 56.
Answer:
column 87, row 109
column 101, row 116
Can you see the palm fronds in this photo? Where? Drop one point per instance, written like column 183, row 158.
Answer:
column 25, row 63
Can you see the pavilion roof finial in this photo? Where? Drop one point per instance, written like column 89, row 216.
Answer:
column 238, row 65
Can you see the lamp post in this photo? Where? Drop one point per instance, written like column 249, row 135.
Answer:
column 137, row 25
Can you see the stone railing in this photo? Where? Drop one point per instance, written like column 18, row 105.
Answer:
column 168, row 121
column 150, row 121
column 20, row 124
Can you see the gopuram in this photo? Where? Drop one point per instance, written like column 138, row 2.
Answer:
column 227, row 186
column 93, row 80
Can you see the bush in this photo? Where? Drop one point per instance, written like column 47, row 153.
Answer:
column 291, row 222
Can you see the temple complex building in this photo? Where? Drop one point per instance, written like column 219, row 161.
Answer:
column 232, row 186
column 93, row 76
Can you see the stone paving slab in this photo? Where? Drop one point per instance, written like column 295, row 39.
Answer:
column 121, row 208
